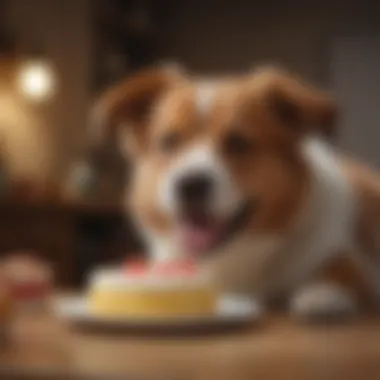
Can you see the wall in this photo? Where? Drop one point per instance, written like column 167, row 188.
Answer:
column 43, row 139
column 232, row 36
column 356, row 78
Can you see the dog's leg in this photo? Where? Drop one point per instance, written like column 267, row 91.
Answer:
column 338, row 289
column 322, row 300
column 365, row 183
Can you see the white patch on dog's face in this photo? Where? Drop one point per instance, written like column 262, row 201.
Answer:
column 226, row 197
column 205, row 94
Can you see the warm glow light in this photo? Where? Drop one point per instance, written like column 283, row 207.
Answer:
column 36, row 80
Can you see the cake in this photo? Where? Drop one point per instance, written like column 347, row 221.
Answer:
column 29, row 277
column 152, row 290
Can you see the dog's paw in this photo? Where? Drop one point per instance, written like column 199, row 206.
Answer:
column 323, row 301
column 244, row 305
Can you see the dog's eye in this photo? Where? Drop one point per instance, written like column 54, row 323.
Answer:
column 236, row 144
column 169, row 142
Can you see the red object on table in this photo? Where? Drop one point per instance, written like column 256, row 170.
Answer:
column 165, row 268
column 29, row 277
column 137, row 267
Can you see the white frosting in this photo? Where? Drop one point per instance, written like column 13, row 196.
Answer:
column 118, row 279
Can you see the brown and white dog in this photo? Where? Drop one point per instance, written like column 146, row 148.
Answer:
column 237, row 171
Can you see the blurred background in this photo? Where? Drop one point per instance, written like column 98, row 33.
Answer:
column 61, row 198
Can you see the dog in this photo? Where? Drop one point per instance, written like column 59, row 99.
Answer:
column 239, row 172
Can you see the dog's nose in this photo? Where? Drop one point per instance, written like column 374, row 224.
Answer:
column 196, row 187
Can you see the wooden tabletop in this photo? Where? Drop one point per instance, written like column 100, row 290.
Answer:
column 279, row 348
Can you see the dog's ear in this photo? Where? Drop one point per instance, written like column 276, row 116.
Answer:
column 297, row 104
column 124, row 109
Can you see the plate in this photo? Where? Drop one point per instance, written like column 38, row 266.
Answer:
column 232, row 311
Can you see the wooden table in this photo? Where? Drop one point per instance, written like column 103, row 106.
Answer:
column 43, row 347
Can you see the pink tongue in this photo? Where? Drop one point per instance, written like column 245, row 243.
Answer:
column 199, row 239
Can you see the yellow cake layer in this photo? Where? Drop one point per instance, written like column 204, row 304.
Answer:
column 156, row 303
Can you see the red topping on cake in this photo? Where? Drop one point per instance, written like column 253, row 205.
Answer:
column 166, row 268
column 184, row 268
column 137, row 267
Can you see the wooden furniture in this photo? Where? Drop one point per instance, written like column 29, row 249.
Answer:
column 53, row 229
column 45, row 348
column 124, row 39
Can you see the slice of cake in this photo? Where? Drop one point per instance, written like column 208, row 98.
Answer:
column 152, row 290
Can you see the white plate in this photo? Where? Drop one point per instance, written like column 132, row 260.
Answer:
column 232, row 311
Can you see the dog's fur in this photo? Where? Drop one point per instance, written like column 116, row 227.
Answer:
column 318, row 211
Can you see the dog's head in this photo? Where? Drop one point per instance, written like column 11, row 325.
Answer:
column 214, row 158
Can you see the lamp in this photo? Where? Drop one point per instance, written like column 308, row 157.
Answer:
column 36, row 79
